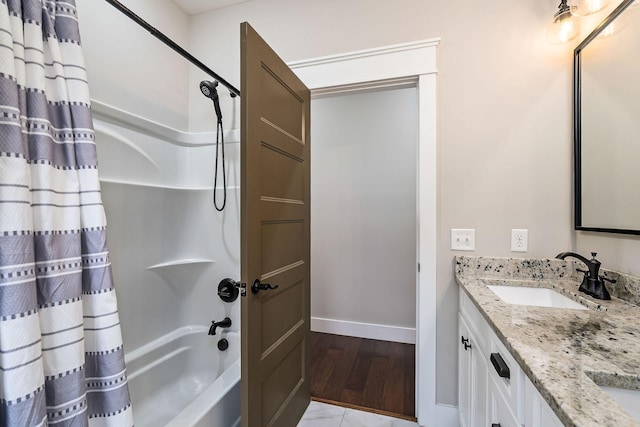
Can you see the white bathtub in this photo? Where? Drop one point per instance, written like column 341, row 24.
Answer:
column 182, row 380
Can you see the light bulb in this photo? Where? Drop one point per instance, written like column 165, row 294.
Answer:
column 563, row 28
column 587, row 7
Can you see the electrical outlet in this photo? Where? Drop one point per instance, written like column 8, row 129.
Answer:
column 519, row 240
column 463, row 239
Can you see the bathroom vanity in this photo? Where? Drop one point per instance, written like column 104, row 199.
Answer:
column 534, row 351
column 493, row 389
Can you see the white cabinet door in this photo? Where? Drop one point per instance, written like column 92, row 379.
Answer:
column 499, row 412
column 472, row 379
column 480, row 375
column 537, row 411
column 464, row 374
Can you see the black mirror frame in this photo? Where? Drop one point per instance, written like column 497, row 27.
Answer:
column 577, row 124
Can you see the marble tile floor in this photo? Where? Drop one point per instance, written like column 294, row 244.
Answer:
column 324, row 415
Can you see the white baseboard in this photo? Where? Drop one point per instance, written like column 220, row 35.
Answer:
column 364, row 330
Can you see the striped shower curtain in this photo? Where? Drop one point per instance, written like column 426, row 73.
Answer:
column 61, row 355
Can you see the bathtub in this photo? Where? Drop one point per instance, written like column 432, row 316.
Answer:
column 182, row 380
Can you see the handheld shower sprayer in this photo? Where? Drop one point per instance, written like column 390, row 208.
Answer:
column 209, row 90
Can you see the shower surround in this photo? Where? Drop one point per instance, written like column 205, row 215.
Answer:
column 169, row 249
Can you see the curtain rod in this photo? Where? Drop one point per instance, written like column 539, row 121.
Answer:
column 173, row 45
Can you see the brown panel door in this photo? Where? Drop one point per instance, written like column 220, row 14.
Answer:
column 275, row 241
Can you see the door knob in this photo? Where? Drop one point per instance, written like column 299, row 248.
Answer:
column 257, row 286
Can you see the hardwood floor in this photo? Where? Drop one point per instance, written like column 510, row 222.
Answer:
column 363, row 373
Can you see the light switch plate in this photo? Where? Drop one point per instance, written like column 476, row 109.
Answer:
column 463, row 239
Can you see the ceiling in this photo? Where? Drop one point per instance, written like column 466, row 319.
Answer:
column 193, row 7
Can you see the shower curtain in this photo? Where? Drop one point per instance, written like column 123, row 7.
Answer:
column 61, row 355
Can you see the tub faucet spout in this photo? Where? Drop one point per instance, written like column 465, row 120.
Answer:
column 224, row 323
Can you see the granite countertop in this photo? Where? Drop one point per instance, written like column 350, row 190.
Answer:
column 564, row 352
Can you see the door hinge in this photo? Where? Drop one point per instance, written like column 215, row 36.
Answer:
column 418, row 267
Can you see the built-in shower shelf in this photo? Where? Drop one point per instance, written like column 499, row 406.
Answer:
column 159, row 186
column 181, row 272
column 186, row 262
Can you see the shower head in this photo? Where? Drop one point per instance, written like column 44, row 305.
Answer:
column 208, row 89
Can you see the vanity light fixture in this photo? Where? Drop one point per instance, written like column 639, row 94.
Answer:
column 565, row 25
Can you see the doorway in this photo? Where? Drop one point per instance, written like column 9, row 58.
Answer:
column 384, row 67
column 363, row 248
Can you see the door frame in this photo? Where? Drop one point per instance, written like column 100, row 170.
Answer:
column 404, row 64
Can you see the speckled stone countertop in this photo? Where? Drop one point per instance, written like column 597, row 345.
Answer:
column 564, row 352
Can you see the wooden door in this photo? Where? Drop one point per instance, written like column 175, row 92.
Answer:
column 275, row 243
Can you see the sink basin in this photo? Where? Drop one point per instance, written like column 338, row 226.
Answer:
column 627, row 399
column 539, row 297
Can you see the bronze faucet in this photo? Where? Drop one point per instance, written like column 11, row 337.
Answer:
column 224, row 323
column 592, row 283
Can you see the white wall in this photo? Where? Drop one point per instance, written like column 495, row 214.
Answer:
column 363, row 213
column 504, row 142
column 129, row 68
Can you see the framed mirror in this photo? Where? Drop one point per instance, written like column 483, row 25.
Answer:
column 607, row 124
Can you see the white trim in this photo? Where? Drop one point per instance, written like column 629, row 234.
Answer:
column 359, row 54
column 430, row 413
column 364, row 330
column 394, row 64
column 390, row 62
column 401, row 83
